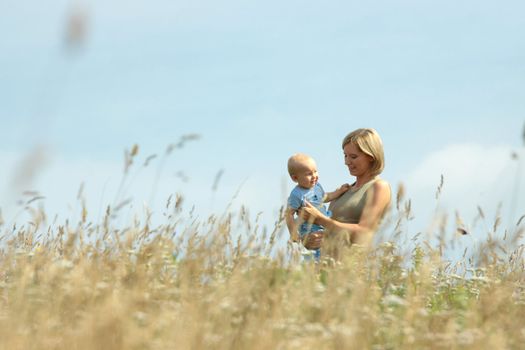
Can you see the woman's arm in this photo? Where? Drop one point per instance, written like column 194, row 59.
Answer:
column 378, row 201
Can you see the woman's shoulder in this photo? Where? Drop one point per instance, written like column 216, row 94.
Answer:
column 381, row 185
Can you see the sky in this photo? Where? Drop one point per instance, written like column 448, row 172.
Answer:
column 443, row 82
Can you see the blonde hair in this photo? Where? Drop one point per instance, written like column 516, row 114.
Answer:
column 368, row 141
column 296, row 162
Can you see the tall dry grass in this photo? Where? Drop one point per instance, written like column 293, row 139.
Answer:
column 227, row 283
column 224, row 284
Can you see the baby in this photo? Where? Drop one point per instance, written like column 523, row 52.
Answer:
column 303, row 171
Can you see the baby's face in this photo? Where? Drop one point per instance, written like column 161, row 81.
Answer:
column 307, row 176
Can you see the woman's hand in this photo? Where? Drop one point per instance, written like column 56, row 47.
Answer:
column 313, row 240
column 309, row 213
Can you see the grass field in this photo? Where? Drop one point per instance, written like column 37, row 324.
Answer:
column 97, row 286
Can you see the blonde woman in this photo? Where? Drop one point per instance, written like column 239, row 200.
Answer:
column 358, row 212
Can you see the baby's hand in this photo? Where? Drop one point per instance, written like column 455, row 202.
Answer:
column 342, row 189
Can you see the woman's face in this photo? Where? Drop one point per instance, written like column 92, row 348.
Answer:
column 357, row 162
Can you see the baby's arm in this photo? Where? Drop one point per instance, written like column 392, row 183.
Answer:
column 330, row 196
column 291, row 224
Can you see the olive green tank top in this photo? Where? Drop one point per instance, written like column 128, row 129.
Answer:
column 349, row 207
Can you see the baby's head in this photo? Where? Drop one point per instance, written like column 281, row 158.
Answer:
column 303, row 170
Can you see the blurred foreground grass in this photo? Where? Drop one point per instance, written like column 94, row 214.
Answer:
column 101, row 287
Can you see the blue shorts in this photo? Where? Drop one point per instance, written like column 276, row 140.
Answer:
column 315, row 255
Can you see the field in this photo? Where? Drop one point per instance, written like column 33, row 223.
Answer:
column 97, row 286
column 443, row 83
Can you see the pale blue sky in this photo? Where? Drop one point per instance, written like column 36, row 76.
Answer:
column 442, row 81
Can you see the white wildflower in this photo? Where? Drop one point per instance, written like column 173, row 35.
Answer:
column 393, row 299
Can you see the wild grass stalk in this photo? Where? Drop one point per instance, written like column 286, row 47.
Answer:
column 217, row 284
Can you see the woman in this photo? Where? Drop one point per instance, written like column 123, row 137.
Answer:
column 358, row 212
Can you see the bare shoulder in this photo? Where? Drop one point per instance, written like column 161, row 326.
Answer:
column 382, row 187
column 381, row 184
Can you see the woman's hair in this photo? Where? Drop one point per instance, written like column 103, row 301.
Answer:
column 368, row 142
